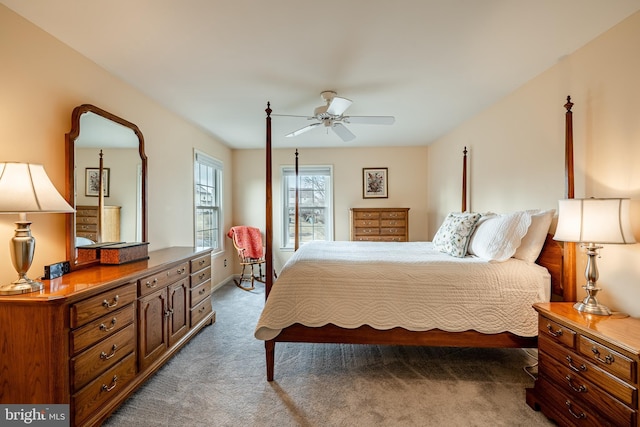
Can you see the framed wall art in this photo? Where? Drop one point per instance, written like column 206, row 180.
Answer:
column 92, row 182
column 374, row 183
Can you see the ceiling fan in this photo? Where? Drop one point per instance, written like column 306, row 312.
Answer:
column 331, row 115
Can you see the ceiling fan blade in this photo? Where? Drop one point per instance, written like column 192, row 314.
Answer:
column 342, row 131
column 303, row 130
column 370, row 120
column 338, row 106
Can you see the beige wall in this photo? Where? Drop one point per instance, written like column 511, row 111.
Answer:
column 407, row 174
column 42, row 81
column 517, row 149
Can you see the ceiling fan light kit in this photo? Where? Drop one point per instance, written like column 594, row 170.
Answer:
column 331, row 115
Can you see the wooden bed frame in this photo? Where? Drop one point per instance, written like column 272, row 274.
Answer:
column 558, row 259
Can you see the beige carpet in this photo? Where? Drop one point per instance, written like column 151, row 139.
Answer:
column 219, row 380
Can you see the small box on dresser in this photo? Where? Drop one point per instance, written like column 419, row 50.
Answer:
column 588, row 367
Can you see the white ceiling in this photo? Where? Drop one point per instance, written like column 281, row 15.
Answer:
column 430, row 63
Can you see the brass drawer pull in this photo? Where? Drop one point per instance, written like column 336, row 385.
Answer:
column 181, row 270
column 579, row 416
column 551, row 332
column 168, row 312
column 104, row 327
column 114, row 381
column 608, row 359
column 202, row 291
column 106, row 303
column 202, row 261
column 105, row 356
column 582, row 367
column 580, row 389
column 202, row 309
column 153, row 283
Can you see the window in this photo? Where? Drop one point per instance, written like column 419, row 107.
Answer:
column 315, row 204
column 208, row 200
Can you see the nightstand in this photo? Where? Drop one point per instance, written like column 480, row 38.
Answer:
column 587, row 367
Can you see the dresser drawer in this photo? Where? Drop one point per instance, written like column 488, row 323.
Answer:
column 93, row 220
column 87, row 228
column 199, row 293
column 153, row 282
column 574, row 386
column 577, row 364
column 92, row 362
column 360, row 223
column 200, row 277
column 393, row 215
column 200, row 263
column 393, row 231
column 557, row 332
column 92, row 308
column 571, row 411
column 360, row 231
column 608, row 359
column 86, row 212
column 366, row 215
column 102, row 328
column 200, row 311
column 103, row 388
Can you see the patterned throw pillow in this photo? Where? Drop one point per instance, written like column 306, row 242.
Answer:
column 454, row 233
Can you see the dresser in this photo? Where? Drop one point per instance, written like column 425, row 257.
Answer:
column 587, row 367
column 380, row 224
column 93, row 336
column 87, row 223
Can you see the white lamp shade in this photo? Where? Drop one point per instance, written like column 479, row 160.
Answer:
column 594, row 221
column 26, row 188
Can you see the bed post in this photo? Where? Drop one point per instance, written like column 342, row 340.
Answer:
column 296, row 224
column 269, row 346
column 464, row 180
column 569, row 256
column 269, row 210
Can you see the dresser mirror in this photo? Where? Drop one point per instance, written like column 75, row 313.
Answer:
column 96, row 137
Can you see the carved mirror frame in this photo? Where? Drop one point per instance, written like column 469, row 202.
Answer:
column 70, row 176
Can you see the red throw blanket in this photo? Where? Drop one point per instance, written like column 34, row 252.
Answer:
column 249, row 239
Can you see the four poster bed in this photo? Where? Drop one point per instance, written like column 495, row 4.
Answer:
column 352, row 292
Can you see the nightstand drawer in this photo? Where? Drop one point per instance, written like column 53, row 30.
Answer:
column 574, row 386
column 577, row 364
column 557, row 332
column 571, row 411
column 608, row 359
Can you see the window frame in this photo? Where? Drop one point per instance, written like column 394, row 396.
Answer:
column 287, row 171
column 201, row 158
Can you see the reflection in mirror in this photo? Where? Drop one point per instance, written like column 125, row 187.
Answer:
column 97, row 134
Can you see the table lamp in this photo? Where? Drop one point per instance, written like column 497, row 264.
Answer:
column 26, row 188
column 592, row 222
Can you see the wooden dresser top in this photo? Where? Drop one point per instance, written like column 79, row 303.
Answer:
column 92, row 280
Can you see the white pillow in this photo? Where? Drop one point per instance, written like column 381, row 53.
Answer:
column 533, row 241
column 453, row 235
column 498, row 237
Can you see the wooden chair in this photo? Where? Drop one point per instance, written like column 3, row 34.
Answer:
column 248, row 243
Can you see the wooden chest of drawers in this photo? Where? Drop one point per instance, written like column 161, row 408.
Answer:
column 380, row 224
column 87, row 223
column 588, row 367
column 91, row 337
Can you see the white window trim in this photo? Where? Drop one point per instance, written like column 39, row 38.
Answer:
column 204, row 158
column 289, row 170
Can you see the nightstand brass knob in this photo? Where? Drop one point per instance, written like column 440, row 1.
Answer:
column 552, row 333
column 608, row 359
column 579, row 416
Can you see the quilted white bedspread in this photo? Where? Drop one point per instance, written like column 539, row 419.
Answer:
column 409, row 284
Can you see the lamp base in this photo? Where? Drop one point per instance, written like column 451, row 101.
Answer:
column 591, row 307
column 21, row 286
